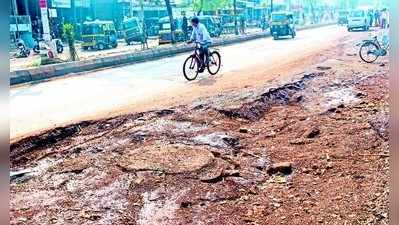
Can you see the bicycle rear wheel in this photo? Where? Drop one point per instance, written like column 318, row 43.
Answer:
column 214, row 63
column 190, row 68
column 369, row 52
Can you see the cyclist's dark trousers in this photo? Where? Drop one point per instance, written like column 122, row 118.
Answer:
column 204, row 53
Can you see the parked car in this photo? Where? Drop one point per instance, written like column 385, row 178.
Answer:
column 282, row 24
column 358, row 19
column 132, row 30
column 99, row 35
column 165, row 34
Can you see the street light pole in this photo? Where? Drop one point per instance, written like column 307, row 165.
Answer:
column 131, row 8
column 271, row 6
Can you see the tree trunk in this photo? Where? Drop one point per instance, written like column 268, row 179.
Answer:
column 172, row 24
column 313, row 13
column 201, row 6
column 235, row 17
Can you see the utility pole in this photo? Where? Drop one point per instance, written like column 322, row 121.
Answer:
column 131, row 8
column 15, row 14
column 171, row 20
column 14, row 7
column 271, row 6
column 45, row 20
column 235, row 17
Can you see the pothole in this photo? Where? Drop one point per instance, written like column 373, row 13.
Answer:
column 282, row 95
column 218, row 140
column 335, row 98
column 171, row 126
column 172, row 159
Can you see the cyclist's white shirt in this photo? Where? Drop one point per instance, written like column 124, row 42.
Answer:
column 201, row 34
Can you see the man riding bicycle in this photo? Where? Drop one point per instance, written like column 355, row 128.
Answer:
column 201, row 35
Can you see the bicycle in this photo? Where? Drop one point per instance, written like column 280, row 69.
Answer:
column 195, row 63
column 370, row 50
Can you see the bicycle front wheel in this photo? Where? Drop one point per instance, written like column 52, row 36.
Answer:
column 214, row 63
column 369, row 52
column 190, row 68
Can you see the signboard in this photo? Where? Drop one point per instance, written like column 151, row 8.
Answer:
column 43, row 3
column 21, row 27
column 82, row 3
column 60, row 3
column 52, row 13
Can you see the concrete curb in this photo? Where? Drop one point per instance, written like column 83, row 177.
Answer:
column 56, row 70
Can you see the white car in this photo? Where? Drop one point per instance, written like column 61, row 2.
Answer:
column 358, row 19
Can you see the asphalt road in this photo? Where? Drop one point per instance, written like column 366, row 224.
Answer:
column 36, row 107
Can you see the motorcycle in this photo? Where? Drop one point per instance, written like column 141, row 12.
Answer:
column 36, row 47
column 58, row 44
column 23, row 50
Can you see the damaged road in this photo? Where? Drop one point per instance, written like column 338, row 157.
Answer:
column 308, row 149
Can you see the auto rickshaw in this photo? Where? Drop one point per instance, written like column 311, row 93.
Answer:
column 99, row 35
column 152, row 26
column 133, row 30
column 282, row 24
column 213, row 26
column 165, row 34
column 227, row 22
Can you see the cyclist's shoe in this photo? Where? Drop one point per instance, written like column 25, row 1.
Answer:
column 201, row 69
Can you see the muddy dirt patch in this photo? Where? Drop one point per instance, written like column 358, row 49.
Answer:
column 171, row 159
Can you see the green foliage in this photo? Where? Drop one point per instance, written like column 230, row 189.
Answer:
column 69, row 35
column 210, row 5
column 68, row 31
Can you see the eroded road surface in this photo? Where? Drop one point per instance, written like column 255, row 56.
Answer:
column 160, row 83
column 304, row 147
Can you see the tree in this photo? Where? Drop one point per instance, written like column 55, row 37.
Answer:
column 209, row 5
column 172, row 24
column 70, row 37
column 235, row 16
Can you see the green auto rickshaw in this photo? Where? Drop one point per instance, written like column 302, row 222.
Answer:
column 152, row 26
column 165, row 34
column 99, row 35
column 282, row 24
column 212, row 24
column 133, row 30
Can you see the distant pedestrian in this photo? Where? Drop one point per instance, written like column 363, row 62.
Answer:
column 264, row 22
column 384, row 19
column 371, row 16
column 242, row 24
column 377, row 18
column 185, row 27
